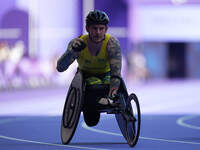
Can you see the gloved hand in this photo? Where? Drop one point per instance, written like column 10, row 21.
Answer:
column 105, row 101
column 78, row 45
column 110, row 100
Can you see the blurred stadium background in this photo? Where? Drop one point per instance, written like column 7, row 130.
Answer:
column 160, row 39
column 160, row 42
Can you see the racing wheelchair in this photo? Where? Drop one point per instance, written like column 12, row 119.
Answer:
column 83, row 98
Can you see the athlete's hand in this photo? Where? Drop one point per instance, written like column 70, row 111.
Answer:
column 78, row 45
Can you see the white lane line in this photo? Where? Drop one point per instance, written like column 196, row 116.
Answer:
column 10, row 120
column 41, row 143
column 99, row 131
column 170, row 141
column 144, row 138
column 49, row 144
column 181, row 122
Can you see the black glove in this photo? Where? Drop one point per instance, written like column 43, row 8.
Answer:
column 80, row 47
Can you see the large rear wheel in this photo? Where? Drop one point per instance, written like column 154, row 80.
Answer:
column 71, row 115
column 129, row 119
column 72, row 109
column 133, row 125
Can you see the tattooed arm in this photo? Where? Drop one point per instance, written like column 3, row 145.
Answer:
column 69, row 56
column 114, row 55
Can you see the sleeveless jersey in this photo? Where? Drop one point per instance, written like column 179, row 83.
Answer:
column 94, row 64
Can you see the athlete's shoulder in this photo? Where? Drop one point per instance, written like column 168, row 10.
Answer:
column 83, row 36
column 113, row 41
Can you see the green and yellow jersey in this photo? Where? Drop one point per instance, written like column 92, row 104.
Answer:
column 94, row 64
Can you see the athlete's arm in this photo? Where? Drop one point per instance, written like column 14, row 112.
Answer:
column 114, row 55
column 69, row 56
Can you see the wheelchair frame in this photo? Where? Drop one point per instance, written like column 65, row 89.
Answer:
column 128, row 122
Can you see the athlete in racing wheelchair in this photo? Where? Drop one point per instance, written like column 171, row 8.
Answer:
column 97, row 86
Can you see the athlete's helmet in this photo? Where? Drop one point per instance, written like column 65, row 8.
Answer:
column 97, row 17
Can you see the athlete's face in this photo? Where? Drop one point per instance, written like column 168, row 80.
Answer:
column 97, row 32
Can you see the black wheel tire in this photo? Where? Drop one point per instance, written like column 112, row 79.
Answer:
column 71, row 115
column 133, row 127
column 130, row 129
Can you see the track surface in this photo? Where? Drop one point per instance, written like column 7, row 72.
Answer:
column 30, row 119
